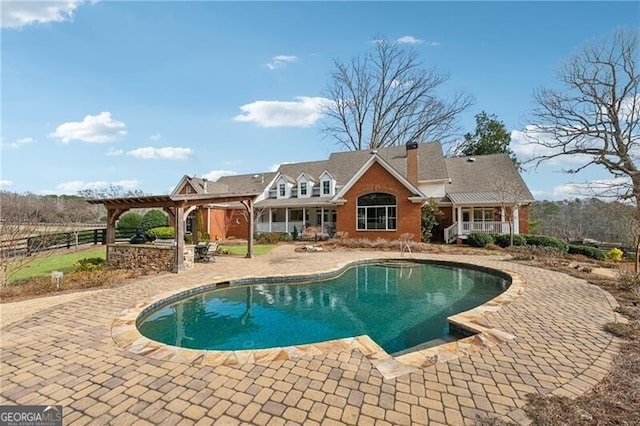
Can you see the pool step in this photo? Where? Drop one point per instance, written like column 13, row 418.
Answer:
column 426, row 345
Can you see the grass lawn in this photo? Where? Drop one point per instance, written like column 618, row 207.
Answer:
column 57, row 262
column 258, row 249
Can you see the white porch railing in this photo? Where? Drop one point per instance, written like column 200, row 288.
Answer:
column 467, row 228
column 279, row 226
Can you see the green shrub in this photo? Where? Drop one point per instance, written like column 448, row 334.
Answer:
column 154, row 219
column 504, row 240
column 89, row 264
column 161, row 232
column 592, row 252
column 546, row 241
column 188, row 238
column 272, row 237
column 129, row 221
column 615, row 254
column 479, row 240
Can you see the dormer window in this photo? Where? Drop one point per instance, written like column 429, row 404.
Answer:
column 282, row 190
column 303, row 191
column 326, row 187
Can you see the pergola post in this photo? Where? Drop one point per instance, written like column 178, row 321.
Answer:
column 179, row 239
column 248, row 204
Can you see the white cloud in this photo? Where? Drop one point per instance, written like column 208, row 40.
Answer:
column 19, row 14
column 522, row 145
column 5, row 183
column 99, row 128
column 112, row 152
column 214, row 175
column 607, row 188
column 155, row 137
column 78, row 185
column 303, row 112
column 20, row 142
column 276, row 166
column 409, row 40
column 281, row 60
column 166, row 153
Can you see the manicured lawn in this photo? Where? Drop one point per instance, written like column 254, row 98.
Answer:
column 258, row 249
column 57, row 262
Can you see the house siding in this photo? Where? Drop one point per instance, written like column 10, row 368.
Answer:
column 523, row 219
column 378, row 179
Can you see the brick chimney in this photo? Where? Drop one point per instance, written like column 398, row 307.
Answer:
column 412, row 162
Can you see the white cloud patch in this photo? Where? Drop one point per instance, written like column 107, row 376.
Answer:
column 19, row 14
column 112, row 152
column 20, row 142
column 409, row 40
column 606, row 188
column 77, row 185
column 166, row 153
column 4, row 183
column 214, row 175
column 276, row 166
column 303, row 112
column 522, row 145
column 155, row 137
column 280, row 61
column 99, row 128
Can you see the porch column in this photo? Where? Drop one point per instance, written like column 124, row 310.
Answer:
column 459, row 221
column 516, row 221
column 322, row 219
column 304, row 220
column 179, row 240
column 270, row 218
column 286, row 219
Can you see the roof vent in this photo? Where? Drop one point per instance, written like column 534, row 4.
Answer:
column 259, row 177
column 374, row 151
column 471, row 160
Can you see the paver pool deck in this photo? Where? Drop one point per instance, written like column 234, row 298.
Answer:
column 65, row 355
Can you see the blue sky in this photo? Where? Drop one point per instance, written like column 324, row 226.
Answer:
column 140, row 93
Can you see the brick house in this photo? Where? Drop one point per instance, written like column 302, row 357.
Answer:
column 371, row 194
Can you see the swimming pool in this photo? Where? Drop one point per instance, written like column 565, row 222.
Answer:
column 398, row 304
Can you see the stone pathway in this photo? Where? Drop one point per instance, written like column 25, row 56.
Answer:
column 65, row 355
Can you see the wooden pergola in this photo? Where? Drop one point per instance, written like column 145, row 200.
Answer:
column 175, row 206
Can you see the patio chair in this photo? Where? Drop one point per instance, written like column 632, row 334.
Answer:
column 203, row 252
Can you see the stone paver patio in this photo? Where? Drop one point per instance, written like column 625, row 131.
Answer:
column 66, row 355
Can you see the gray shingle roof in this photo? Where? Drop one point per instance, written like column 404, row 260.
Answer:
column 482, row 176
column 255, row 182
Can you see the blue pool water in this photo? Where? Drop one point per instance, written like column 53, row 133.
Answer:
column 399, row 305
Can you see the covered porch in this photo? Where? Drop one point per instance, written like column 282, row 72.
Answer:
column 484, row 219
column 285, row 219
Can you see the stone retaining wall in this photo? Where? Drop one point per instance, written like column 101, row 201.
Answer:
column 146, row 256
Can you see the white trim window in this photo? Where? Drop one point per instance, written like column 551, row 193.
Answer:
column 326, row 187
column 303, row 189
column 282, row 190
column 377, row 211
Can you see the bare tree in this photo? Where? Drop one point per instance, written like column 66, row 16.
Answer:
column 387, row 98
column 594, row 115
column 22, row 217
column 512, row 194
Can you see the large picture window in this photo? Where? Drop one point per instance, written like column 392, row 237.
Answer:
column 377, row 211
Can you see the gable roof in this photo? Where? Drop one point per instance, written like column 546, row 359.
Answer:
column 478, row 175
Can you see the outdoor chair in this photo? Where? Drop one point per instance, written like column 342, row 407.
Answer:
column 203, row 252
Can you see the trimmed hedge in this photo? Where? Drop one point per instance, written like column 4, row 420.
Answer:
column 546, row 241
column 504, row 240
column 272, row 237
column 161, row 232
column 479, row 239
column 592, row 252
